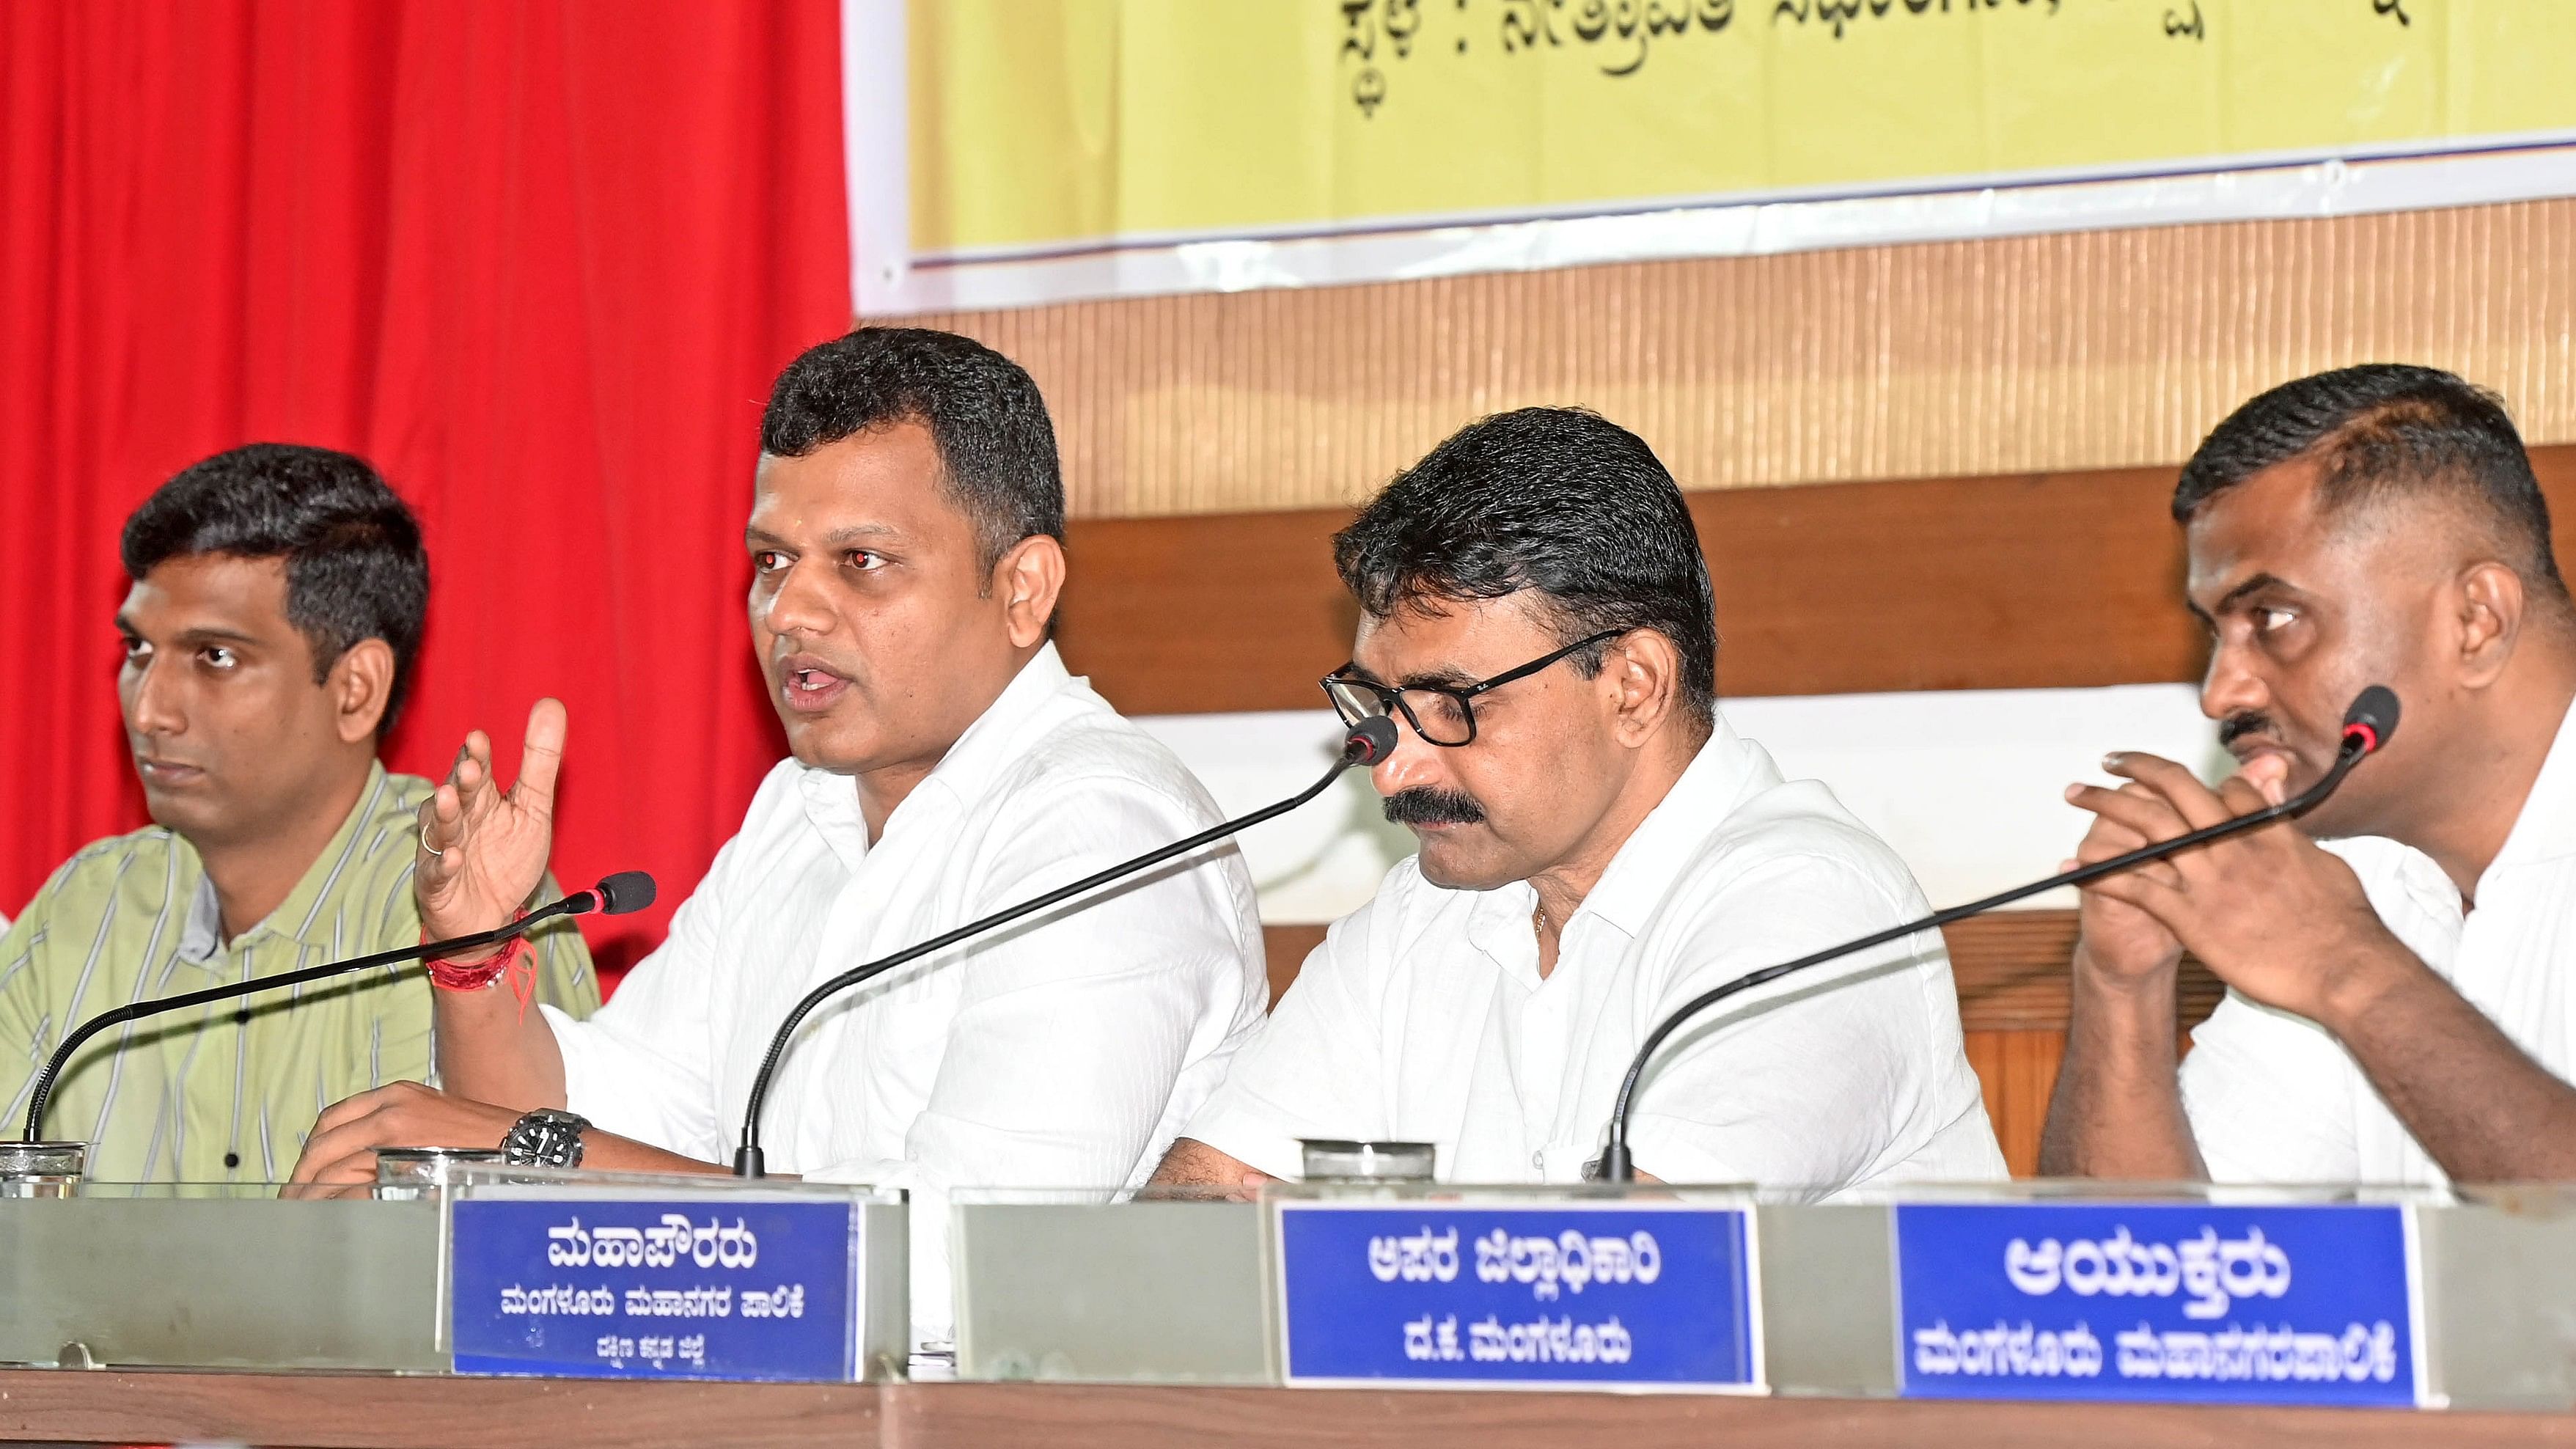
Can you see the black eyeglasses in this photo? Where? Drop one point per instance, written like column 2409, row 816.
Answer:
column 1440, row 715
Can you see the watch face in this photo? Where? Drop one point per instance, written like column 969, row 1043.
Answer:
column 547, row 1138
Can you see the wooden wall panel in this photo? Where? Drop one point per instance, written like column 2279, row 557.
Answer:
column 2095, row 349
column 2004, row 582
column 2018, row 1072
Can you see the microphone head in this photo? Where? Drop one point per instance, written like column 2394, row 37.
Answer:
column 1371, row 740
column 2372, row 720
column 628, row 890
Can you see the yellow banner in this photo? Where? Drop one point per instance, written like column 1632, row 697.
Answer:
column 1039, row 125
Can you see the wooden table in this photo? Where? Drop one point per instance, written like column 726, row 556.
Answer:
column 400, row 1413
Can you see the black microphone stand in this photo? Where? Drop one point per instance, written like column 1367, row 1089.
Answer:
column 1369, row 741
column 626, row 891
column 2367, row 726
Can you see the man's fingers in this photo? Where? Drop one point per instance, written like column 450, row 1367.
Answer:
column 2163, row 871
column 2141, row 812
column 471, row 776
column 359, row 1166
column 2107, row 840
column 2139, row 889
column 442, row 829
column 2242, row 796
column 320, row 1151
column 540, row 756
column 318, row 1176
column 2192, row 800
column 2270, row 777
column 345, row 1111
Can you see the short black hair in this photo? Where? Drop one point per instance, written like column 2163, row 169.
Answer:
column 355, row 567
column 1560, row 501
column 2381, row 430
column 997, row 450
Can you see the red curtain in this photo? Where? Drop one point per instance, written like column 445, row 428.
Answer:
column 537, row 259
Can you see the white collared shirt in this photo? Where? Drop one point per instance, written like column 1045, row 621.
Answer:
column 1423, row 1017
column 1059, row 1053
column 2275, row 1098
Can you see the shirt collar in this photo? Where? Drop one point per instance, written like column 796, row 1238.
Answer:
column 2546, row 827
column 201, row 935
column 972, row 764
column 1728, row 770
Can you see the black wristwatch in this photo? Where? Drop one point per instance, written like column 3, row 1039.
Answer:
column 545, row 1138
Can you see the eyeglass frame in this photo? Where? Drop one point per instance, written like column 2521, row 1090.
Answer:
column 1391, row 696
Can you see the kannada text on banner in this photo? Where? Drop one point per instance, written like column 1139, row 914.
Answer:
column 1043, row 122
column 1055, row 128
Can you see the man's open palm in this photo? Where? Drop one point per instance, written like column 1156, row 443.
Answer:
column 484, row 849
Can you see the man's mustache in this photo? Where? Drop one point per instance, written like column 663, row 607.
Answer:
column 1423, row 805
column 2242, row 723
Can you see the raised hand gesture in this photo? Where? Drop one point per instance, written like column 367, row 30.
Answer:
column 482, row 849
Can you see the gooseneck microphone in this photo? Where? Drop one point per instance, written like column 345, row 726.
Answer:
column 2366, row 727
column 1368, row 742
column 628, row 890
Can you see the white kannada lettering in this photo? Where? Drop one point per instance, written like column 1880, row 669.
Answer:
column 1430, row 1341
column 2360, row 1354
column 1568, row 1262
column 567, row 1246
column 558, row 1300
column 1423, row 1257
column 660, row 1245
column 617, row 1247
column 2213, row 1272
column 1543, row 1340
column 785, row 1301
column 704, row 1302
column 2022, row 1352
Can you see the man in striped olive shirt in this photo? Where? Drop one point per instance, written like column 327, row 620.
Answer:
column 278, row 596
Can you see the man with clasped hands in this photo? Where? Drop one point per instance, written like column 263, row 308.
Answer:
column 906, row 556
column 2400, row 1007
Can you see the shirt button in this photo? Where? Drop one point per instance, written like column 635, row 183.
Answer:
column 1539, row 1158
column 232, row 1159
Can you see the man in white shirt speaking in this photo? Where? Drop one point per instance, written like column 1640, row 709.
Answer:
column 1597, row 846
column 906, row 555
column 2402, row 1009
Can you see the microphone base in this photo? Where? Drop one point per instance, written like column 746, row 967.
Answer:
column 1617, row 1165
column 749, row 1161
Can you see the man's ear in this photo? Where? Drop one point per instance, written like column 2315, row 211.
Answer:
column 1028, row 580
column 2489, row 620
column 360, row 684
column 1645, row 672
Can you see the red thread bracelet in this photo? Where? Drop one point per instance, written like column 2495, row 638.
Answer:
column 518, row 961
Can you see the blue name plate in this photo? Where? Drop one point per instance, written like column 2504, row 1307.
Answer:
column 1434, row 1293
column 2158, row 1303
column 595, row 1287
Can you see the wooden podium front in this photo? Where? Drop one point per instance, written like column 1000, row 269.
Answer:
column 378, row 1412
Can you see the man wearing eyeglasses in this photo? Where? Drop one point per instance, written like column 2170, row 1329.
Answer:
column 1597, row 847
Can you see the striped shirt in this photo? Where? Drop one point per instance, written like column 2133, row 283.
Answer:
column 227, row 1092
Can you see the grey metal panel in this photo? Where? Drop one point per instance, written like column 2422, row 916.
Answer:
column 247, row 1283
column 2500, row 1300
column 885, row 1286
column 1146, row 1292
column 1828, row 1299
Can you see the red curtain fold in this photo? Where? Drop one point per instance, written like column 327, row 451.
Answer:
column 537, row 259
